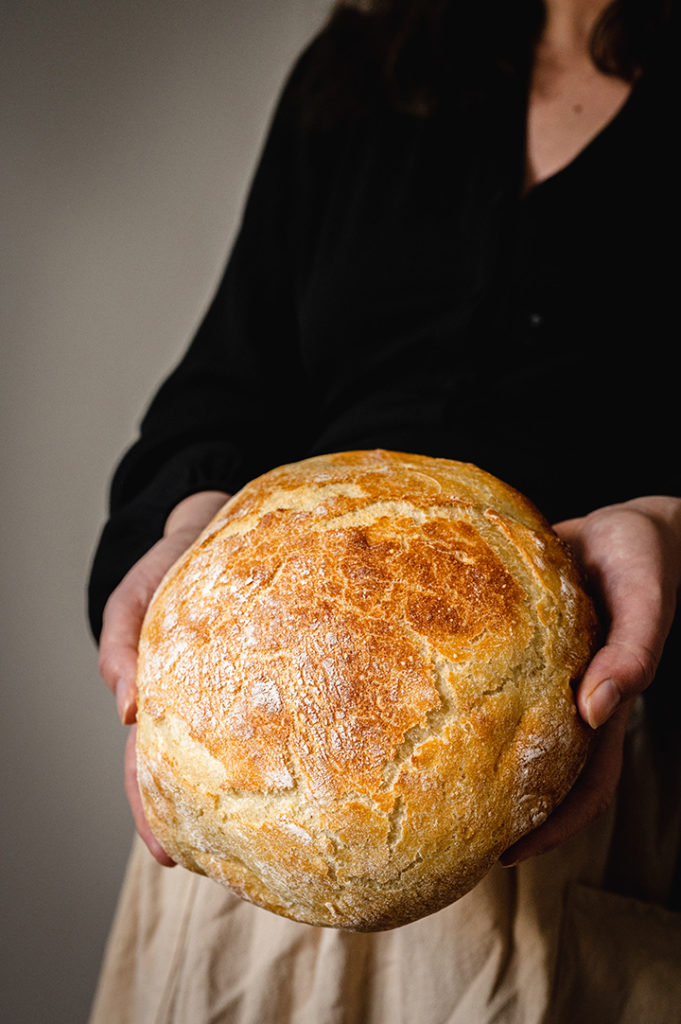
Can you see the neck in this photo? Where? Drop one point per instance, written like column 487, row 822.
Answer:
column 569, row 24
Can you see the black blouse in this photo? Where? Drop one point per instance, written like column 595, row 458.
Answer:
column 391, row 287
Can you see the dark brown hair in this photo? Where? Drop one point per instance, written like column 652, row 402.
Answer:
column 412, row 53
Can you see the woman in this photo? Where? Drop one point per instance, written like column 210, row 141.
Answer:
column 455, row 245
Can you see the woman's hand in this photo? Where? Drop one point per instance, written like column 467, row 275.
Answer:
column 122, row 623
column 632, row 556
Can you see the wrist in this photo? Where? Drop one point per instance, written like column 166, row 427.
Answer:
column 193, row 512
column 663, row 512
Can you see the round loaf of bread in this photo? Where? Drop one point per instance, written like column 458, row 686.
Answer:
column 355, row 688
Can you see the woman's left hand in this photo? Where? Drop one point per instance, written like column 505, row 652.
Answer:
column 631, row 553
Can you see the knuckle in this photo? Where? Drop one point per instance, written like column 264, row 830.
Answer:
column 602, row 799
column 641, row 662
column 113, row 607
column 603, row 804
column 107, row 667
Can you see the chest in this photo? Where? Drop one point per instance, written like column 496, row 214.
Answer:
column 568, row 108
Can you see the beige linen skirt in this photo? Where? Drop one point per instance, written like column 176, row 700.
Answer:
column 586, row 933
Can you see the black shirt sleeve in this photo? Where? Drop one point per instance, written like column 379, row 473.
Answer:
column 233, row 407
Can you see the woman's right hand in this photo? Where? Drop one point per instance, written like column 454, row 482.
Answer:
column 122, row 622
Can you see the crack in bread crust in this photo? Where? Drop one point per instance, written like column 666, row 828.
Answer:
column 355, row 687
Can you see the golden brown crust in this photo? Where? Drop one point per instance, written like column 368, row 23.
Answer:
column 355, row 687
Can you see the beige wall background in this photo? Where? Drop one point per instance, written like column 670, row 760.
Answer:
column 129, row 134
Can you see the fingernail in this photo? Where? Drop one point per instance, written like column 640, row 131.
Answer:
column 122, row 700
column 160, row 854
column 509, row 858
column 602, row 703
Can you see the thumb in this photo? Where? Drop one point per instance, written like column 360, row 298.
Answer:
column 629, row 583
column 620, row 670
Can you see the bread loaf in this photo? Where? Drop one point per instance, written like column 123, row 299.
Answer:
column 355, row 687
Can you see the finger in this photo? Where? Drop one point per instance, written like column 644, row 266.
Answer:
column 589, row 798
column 121, row 627
column 122, row 622
column 623, row 559
column 135, row 801
column 626, row 664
